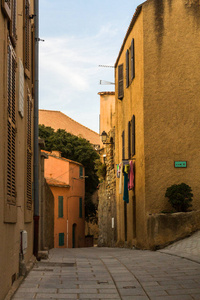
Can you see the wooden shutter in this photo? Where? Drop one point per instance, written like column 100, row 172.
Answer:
column 129, row 139
column 80, row 208
column 13, row 26
column 123, row 146
column 27, row 38
column 6, row 6
column 132, row 59
column 11, row 125
column 21, row 88
column 120, row 82
column 29, row 153
column 127, row 68
column 60, row 206
column 81, row 171
column 61, row 239
column 133, row 134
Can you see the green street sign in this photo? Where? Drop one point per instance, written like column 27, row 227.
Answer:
column 180, row 164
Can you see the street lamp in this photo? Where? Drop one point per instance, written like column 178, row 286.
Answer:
column 104, row 137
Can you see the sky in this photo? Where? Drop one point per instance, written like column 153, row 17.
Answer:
column 79, row 36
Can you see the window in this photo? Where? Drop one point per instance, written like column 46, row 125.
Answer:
column 133, row 134
column 80, row 208
column 27, row 38
column 61, row 239
column 60, row 206
column 80, row 171
column 120, row 82
column 11, row 125
column 123, row 146
column 127, row 68
column 29, row 152
column 132, row 59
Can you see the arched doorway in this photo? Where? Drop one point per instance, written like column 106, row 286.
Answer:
column 74, row 235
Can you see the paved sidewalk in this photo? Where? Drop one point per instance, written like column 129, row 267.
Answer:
column 112, row 273
column 188, row 248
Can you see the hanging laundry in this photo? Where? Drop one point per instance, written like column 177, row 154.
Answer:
column 118, row 171
column 131, row 175
column 126, row 196
column 126, row 168
column 121, row 176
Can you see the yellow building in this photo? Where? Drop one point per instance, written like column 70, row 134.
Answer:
column 16, row 136
column 157, row 111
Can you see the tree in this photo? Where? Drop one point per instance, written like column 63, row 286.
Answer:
column 77, row 149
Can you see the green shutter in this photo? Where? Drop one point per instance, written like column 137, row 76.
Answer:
column 61, row 239
column 120, row 82
column 60, row 206
column 80, row 208
column 81, row 172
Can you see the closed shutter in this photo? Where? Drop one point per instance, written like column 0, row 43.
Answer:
column 6, row 6
column 61, row 239
column 60, row 206
column 21, row 88
column 132, row 59
column 81, row 171
column 11, row 125
column 29, row 153
column 27, row 38
column 133, row 134
column 13, row 26
column 80, row 208
column 120, row 82
column 127, row 68
column 129, row 139
column 123, row 146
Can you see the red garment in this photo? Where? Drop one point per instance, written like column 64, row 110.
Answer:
column 131, row 176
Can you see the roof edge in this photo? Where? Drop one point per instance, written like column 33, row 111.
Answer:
column 134, row 18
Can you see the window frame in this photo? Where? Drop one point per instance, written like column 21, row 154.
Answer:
column 132, row 59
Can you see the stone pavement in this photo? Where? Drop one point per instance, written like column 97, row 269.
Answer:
column 113, row 273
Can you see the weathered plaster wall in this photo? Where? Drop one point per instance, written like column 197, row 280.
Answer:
column 171, row 98
column 132, row 103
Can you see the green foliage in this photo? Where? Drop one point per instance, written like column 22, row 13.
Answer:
column 101, row 169
column 180, row 196
column 74, row 148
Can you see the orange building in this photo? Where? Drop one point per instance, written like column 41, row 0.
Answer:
column 66, row 180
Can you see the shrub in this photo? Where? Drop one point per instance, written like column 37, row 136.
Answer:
column 180, row 196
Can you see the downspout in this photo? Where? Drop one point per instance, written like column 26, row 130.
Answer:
column 36, row 131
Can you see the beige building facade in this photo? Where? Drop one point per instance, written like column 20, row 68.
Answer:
column 157, row 111
column 16, row 135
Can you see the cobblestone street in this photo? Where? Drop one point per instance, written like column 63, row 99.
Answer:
column 114, row 273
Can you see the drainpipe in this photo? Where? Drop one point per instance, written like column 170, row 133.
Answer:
column 36, row 131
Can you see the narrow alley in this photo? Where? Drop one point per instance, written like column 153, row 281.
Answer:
column 117, row 273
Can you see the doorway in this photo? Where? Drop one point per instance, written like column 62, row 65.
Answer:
column 74, row 235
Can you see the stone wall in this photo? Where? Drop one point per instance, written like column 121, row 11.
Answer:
column 107, row 201
column 166, row 228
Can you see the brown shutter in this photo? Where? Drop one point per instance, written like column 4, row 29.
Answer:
column 132, row 59
column 133, row 135
column 6, row 6
column 13, row 27
column 127, row 68
column 129, row 139
column 27, row 38
column 11, row 125
column 123, row 146
column 29, row 153
column 120, row 82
